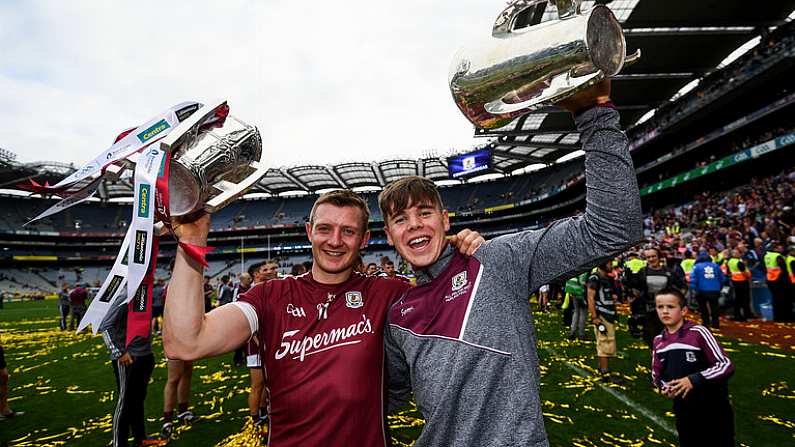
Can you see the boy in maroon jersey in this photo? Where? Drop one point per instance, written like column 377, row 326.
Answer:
column 321, row 333
column 690, row 366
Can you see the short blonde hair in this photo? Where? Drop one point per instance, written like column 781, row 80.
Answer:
column 341, row 198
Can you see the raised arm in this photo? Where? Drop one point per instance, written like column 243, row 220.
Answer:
column 189, row 333
column 612, row 220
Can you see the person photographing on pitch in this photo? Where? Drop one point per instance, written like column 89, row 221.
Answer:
column 602, row 309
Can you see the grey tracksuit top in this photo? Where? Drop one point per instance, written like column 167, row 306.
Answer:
column 463, row 340
column 114, row 333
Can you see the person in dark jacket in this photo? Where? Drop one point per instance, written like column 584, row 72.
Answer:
column 133, row 367
column 652, row 278
column 706, row 280
column 64, row 307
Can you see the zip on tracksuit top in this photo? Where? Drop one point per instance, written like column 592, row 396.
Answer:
column 463, row 340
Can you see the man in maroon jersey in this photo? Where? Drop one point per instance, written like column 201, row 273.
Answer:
column 322, row 333
column 258, row 394
column 77, row 299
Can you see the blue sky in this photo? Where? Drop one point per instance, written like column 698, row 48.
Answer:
column 325, row 82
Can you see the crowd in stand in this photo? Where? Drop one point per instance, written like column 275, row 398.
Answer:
column 772, row 46
column 761, row 210
column 747, row 233
column 730, row 148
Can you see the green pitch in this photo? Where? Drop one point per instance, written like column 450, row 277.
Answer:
column 64, row 383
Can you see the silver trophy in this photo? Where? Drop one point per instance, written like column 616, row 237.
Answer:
column 214, row 161
column 518, row 71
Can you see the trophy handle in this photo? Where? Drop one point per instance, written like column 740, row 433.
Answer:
column 504, row 23
column 231, row 191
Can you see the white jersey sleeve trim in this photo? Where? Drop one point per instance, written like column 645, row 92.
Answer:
column 250, row 314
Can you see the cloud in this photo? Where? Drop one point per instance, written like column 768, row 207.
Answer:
column 325, row 82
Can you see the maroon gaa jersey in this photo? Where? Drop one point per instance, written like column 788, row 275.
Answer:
column 323, row 354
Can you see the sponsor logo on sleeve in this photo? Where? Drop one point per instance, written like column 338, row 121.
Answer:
column 113, row 286
column 354, row 299
column 153, row 130
column 139, row 300
column 143, row 199
column 139, row 257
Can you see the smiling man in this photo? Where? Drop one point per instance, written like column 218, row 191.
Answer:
column 321, row 332
column 463, row 340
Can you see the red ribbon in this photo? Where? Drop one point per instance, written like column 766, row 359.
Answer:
column 197, row 252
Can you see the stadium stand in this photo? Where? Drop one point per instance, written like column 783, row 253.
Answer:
column 694, row 130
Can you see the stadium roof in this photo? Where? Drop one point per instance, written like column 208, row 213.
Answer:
column 681, row 41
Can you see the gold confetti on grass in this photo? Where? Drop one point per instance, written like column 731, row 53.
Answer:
column 250, row 435
column 558, row 419
column 621, row 440
column 779, row 389
column 778, row 421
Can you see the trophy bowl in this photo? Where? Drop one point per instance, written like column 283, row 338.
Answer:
column 516, row 71
column 214, row 161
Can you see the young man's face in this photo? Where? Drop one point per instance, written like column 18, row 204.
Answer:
column 389, row 269
column 669, row 310
column 336, row 236
column 371, row 269
column 268, row 271
column 418, row 233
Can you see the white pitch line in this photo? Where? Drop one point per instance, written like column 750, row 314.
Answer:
column 665, row 425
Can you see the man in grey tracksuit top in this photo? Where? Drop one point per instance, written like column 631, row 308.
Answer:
column 463, row 340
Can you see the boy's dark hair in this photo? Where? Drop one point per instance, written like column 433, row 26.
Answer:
column 252, row 269
column 341, row 198
column 297, row 269
column 406, row 192
column 225, row 279
column 672, row 291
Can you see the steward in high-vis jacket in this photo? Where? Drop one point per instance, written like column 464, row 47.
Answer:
column 687, row 264
column 741, row 284
column 779, row 284
column 791, row 265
